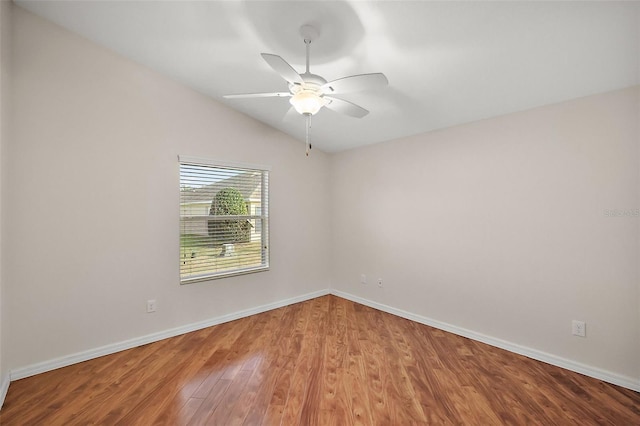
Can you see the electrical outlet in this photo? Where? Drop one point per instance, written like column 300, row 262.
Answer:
column 579, row 328
column 363, row 279
column 380, row 282
column 151, row 305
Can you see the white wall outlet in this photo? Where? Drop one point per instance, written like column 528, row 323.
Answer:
column 579, row 328
column 151, row 305
column 380, row 282
column 363, row 279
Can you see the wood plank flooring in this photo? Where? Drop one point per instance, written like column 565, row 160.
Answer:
column 326, row 361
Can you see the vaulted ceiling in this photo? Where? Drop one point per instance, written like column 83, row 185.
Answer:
column 447, row 63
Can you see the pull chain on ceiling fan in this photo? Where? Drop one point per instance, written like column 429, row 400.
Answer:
column 309, row 92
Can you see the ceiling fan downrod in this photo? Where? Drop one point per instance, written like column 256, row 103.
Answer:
column 308, row 44
column 308, row 33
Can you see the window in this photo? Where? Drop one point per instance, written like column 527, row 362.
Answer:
column 224, row 219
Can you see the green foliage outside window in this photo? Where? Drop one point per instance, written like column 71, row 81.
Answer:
column 229, row 201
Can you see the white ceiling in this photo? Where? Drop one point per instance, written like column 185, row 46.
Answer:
column 447, row 62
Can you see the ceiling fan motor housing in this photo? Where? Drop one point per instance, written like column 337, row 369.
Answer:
column 311, row 82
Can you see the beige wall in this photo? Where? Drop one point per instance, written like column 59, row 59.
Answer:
column 499, row 227
column 93, row 127
column 5, row 34
column 638, row 172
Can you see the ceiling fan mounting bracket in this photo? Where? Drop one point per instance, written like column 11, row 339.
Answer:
column 309, row 33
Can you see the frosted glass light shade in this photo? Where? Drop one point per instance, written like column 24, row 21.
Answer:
column 306, row 102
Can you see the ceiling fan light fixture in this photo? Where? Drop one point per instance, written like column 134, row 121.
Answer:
column 307, row 102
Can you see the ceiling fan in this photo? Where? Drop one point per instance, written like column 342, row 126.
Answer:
column 309, row 92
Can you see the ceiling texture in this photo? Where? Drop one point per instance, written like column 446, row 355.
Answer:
column 447, row 63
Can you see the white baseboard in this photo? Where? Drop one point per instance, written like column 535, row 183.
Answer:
column 567, row 364
column 66, row 360
column 5, row 379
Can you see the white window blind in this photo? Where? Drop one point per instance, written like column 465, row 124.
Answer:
column 224, row 219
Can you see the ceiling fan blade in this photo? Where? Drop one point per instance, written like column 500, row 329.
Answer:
column 345, row 107
column 258, row 95
column 283, row 68
column 291, row 115
column 355, row 83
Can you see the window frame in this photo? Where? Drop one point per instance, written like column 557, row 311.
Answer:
column 263, row 217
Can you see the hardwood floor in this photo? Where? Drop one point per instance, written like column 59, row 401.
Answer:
column 324, row 361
